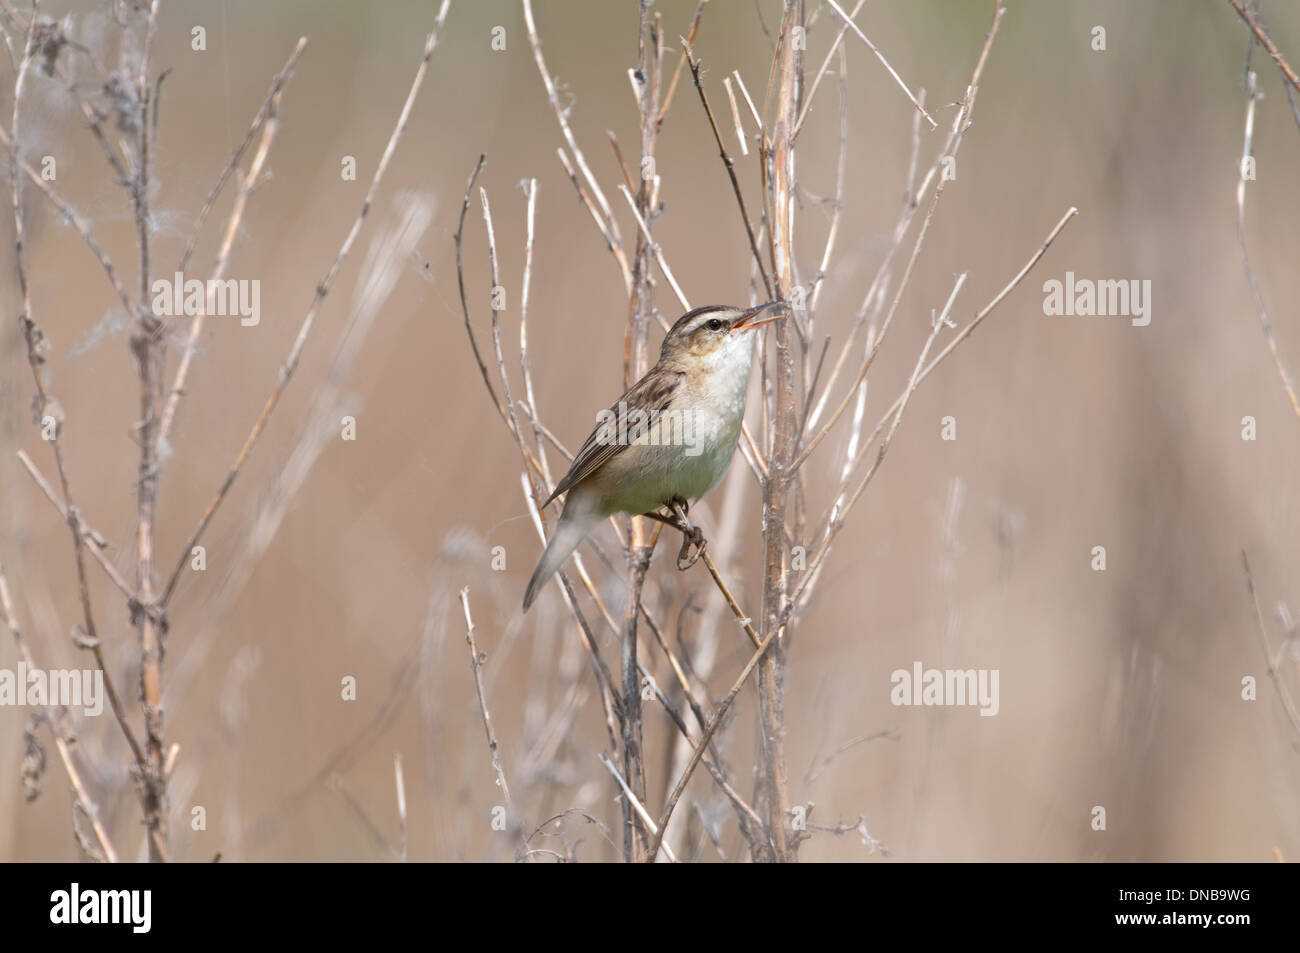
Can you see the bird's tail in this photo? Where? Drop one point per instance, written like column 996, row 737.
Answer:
column 571, row 531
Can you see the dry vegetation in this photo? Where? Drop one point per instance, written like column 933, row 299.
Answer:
column 640, row 710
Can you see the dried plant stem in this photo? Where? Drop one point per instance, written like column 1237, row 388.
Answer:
column 837, row 46
column 751, row 824
column 633, row 757
column 997, row 299
column 773, row 783
column 848, row 21
column 1266, row 324
column 912, row 382
column 876, row 290
column 94, row 118
column 534, row 466
column 561, row 117
column 749, row 101
column 464, row 300
column 1274, row 671
column 740, row 128
column 837, row 203
column 67, row 213
column 494, row 275
column 1267, row 42
column 96, row 543
column 635, row 802
column 277, row 85
column 268, row 118
column 647, row 80
column 681, row 61
column 399, row 786
column 605, row 683
column 703, row 744
column 835, row 520
column 788, row 388
column 877, row 342
column 730, row 165
column 37, row 345
column 147, row 344
column 656, row 249
column 614, row 245
column 622, row 163
column 476, row 660
column 746, row 815
column 530, row 189
column 743, row 619
column 322, row 290
column 83, row 799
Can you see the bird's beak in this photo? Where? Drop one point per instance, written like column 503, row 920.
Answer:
column 757, row 317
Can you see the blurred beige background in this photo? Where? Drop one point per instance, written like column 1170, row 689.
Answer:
column 1119, row 689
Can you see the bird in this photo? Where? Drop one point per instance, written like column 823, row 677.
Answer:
column 668, row 440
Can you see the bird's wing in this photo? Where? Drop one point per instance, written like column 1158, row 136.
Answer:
column 652, row 393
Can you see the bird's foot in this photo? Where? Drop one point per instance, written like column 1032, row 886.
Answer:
column 693, row 541
column 693, row 546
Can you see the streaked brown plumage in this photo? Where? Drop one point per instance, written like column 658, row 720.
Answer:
column 698, row 386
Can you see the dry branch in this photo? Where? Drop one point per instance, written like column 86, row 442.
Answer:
column 304, row 331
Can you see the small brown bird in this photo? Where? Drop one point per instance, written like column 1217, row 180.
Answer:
column 669, row 439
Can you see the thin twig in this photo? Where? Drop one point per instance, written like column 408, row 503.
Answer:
column 476, row 660
column 703, row 744
column 743, row 619
column 464, row 300
column 1266, row 325
column 69, row 214
column 1274, row 672
column 494, row 276
column 561, row 117
column 960, row 124
column 400, row 786
column 658, row 253
column 681, row 61
column 815, row 770
column 875, row 292
column 530, row 190
column 37, row 346
column 749, row 101
column 267, row 120
column 1262, row 35
column 614, row 245
column 322, row 290
column 881, row 56
column 97, row 543
column 147, row 344
column 246, row 184
column 636, row 803
column 83, row 798
column 277, row 85
column 784, row 88
column 730, row 166
column 836, row 46
column 735, row 116
column 837, row 518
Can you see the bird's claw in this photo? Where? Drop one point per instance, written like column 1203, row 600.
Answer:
column 693, row 546
column 693, row 542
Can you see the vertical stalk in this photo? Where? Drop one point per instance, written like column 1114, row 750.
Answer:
column 147, row 345
column 640, row 308
column 773, row 789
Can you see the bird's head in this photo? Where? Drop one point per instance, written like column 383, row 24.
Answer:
column 716, row 329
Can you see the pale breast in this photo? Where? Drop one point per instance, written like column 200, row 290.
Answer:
column 689, row 452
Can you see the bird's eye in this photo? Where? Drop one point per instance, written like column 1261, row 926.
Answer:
column 715, row 325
